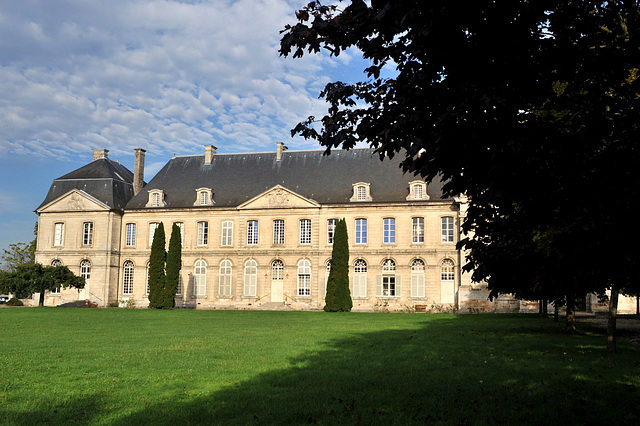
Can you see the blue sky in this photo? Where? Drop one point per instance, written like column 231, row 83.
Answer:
column 167, row 76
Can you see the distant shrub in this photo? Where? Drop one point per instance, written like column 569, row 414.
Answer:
column 14, row 302
column 113, row 304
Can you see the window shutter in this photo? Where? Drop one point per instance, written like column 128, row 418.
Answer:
column 398, row 285
column 378, row 285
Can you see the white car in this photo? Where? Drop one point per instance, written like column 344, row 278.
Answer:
column 4, row 299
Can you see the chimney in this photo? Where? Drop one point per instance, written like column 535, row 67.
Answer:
column 280, row 149
column 138, row 170
column 100, row 153
column 209, row 152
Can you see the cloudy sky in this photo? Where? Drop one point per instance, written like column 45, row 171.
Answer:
column 166, row 75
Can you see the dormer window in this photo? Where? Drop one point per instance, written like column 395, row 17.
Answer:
column 204, row 197
column 156, row 198
column 361, row 192
column 417, row 190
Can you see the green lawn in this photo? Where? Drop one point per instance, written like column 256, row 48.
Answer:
column 119, row 366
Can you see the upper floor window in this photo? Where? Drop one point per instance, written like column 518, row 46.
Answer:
column 389, row 230
column 252, row 232
column 204, row 197
column 447, row 229
column 203, row 233
column 180, row 225
column 227, row 233
column 156, row 198
column 278, row 231
column 361, row 192
column 87, row 234
column 225, row 278
column 331, row 229
column 417, row 230
column 58, row 235
column 152, row 231
column 305, row 231
column 304, row 278
column 130, row 238
column 417, row 190
column 361, row 231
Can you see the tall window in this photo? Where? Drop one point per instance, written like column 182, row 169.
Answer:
column 417, row 192
column 181, row 226
column 179, row 287
column 447, row 229
column 389, row 231
column 304, row 278
column 252, row 232
column 361, row 193
column 327, row 273
column 278, row 231
column 331, row 229
column 388, row 285
column 58, row 237
column 155, row 199
column 203, row 233
column 127, row 280
column 147, row 287
column 225, row 278
column 250, row 278
column 361, row 231
column 204, row 198
column 227, row 233
column 54, row 263
column 447, row 270
column 305, row 231
column 417, row 278
column 417, row 230
column 130, row 239
column 360, row 278
column 200, row 278
column 87, row 234
column 277, row 270
column 152, row 231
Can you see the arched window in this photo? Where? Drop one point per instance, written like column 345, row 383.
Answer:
column 326, row 276
column 388, row 284
column 447, row 281
column 147, row 287
column 304, row 278
column 85, row 270
column 447, row 270
column 360, row 278
column 225, row 278
column 250, row 278
column 277, row 270
column 127, row 280
column 54, row 263
column 417, row 278
column 200, row 278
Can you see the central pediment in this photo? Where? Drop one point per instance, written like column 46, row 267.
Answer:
column 279, row 197
column 75, row 200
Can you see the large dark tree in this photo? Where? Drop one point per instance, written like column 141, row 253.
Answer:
column 35, row 278
column 338, row 298
column 530, row 108
column 174, row 264
column 157, row 260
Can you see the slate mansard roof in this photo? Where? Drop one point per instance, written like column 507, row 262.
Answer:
column 106, row 180
column 237, row 178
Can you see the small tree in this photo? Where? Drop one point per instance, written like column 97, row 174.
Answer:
column 156, row 268
column 174, row 264
column 338, row 297
column 35, row 278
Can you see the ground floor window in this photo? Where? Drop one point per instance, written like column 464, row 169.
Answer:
column 304, row 278
column 225, row 278
column 360, row 278
column 200, row 278
column 417, row 278
column 127, row 281
column 250, row 278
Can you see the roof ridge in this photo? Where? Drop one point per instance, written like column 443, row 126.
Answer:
column 289, row 151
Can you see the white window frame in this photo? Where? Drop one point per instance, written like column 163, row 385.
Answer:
column 252, row 232
column 250, row 278
column 204, row 197
column 361, row 231
column 447, row 230
column 447, row 270
column 203, row 233
column 156, row 198
column 200, row 278
column 360, row 278
column 153, row 226
column 304, row 278
column 225, row 278
column 389, row 230
column 418, row 267
column 417, row 230
column 417, row 191
column 58, row 234
column 278, row 232
column 130, row 235
column 388, row 284
column 226, row 238
column 305, row 231
column 87, row 234
column 361, row 192
column 127, row 277
column 181, row 226
column 331, row 230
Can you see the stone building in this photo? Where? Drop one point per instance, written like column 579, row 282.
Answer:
column 257, row 230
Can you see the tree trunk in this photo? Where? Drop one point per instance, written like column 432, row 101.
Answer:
column 545, row 311
column 571, row 315
column 41, row 300
column 611, row 322
column 556, row 311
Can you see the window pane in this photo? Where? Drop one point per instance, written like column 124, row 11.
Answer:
column 331, row 229
column 203, row 233
column 278, row 231
column 87, row 237
column 447, row 229
column 252, row 232
column 58, row 239
column 389, row 231
column 305, row 231
column 200, row 278
column 417, row 230
column 227, row 233
column 127, row 282
column 361, row 231
column 304, row 278
column 225, row 278
column 250, row 278
column 131, row 234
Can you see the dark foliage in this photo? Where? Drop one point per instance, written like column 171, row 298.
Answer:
column 35, row 278
column 174, row 264
column 156, row 268
column 338, row 298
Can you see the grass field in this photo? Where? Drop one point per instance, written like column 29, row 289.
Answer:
column 119, row 366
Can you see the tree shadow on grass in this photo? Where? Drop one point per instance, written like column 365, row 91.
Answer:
column 449, row 371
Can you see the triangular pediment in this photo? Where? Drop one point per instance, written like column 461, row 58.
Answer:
column 279, row 197
column 75, row 200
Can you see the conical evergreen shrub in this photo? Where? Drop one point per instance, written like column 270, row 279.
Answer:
column 174, row 264
column 156, row 268
column 338, row 298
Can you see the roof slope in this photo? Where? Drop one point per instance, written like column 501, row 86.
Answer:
column 106, row 180
column 237, row 178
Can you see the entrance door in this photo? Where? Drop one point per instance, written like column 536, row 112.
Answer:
column 277, row 281
column 85, row 272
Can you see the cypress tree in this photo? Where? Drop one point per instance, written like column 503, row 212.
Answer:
column 156, row 268
column 338, row 297
column 174, row 264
